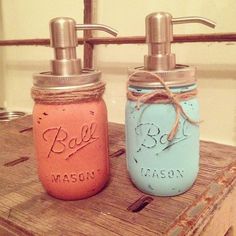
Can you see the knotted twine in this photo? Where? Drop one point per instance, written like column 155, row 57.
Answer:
column 164, row 96
column 67, row 96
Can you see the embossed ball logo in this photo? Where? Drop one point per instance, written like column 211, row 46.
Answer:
column 60, row 141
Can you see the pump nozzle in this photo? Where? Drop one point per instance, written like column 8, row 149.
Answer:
column 64, row 41
column 101, row 27
column 194, row 19
column 159, row 35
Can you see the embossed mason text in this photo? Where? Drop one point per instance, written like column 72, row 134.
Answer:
column 74, row 177
column 162, row 173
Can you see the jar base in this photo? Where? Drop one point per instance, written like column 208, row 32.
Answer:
column 164, row 193
column 74, row 197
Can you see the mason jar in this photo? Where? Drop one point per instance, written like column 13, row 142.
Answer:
column 70, row 134
column 157, row 165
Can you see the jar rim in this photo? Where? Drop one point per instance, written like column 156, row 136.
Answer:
column 48, row 81
column 182, row 75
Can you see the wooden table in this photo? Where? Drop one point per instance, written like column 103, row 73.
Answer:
column 25, row 209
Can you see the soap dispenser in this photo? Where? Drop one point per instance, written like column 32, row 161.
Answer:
column 162, row 114
column 70, row 119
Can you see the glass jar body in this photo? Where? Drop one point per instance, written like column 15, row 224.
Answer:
column 71, row 143
column 158, row 166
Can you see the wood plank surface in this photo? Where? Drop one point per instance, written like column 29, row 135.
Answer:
column 25, row 208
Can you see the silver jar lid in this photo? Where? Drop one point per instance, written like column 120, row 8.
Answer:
column 46, row 80
column 11, row 115
column 180, row 76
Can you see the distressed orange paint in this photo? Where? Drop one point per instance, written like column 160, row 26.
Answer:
column 71, row 144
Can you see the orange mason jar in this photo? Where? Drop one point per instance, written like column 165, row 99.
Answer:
column 71, row 134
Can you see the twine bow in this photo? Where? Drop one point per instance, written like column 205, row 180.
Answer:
column 164, row 96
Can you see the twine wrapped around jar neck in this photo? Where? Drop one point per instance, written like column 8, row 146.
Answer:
column 67, row 96
column 164, row 96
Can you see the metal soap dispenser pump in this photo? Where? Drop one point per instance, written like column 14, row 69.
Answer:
column 70, row 119
column 162, row 133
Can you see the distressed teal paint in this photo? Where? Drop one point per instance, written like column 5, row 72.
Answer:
column 155, row 165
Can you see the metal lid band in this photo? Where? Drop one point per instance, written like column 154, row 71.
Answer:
column 182, row 75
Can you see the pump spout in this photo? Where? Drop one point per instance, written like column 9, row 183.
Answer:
column 194, row 19
column 101, row 27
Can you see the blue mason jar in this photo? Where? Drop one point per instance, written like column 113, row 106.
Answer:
column 156, row 165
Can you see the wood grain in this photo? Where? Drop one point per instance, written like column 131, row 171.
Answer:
column 25, row 208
